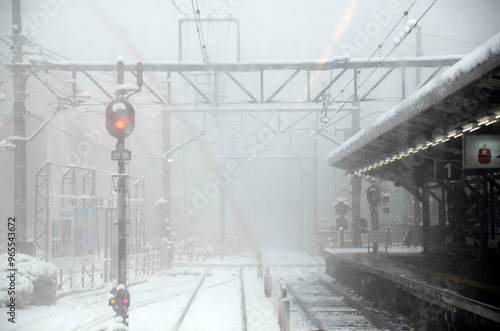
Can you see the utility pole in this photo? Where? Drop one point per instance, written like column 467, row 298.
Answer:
column 315, row 185
column 300, row 230
column 166, row 171
column 19, row 118
column 419, row 52
column 165, row 212
column 222, row 221
column 355, row 181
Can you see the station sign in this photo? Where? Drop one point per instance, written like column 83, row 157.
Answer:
column 72, row 233
column 481, row 152
column 121, row 155
column 61, row 236
column 448, row 161
column 447, row 170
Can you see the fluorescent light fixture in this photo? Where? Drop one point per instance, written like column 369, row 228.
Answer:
column 491, row 122
column 454, row 133
column 468, row 127
column 483, row 120
column 437, row 140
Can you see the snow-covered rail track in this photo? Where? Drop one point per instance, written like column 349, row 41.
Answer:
column 242, row 302
column 224, row 294
column 190, row 302
column 329, row 309
column 330, row 306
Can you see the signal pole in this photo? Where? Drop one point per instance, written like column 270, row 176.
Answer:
column 374, row 197
column 120, row 122
column 122, row 215
column 19, row 118
column 374, row 216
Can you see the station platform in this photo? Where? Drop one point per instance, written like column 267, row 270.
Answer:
column 466, row 287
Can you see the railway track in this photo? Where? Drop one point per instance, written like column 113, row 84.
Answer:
column 188, row 306
column 194, row 314
column 156, row 295
column 228, row 280
column 328, row 306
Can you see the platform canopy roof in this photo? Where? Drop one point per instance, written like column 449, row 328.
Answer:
column 462, row 99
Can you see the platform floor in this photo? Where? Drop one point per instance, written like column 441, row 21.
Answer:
column 472, row 285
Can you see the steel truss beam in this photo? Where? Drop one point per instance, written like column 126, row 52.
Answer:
column 182, row 72
column 76, row 187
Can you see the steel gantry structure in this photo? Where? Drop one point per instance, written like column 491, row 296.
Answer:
column 421, row 144
column 253, row 90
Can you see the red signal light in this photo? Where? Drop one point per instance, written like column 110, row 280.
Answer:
column 120, row 119
column 120, row 124
column 125, row 301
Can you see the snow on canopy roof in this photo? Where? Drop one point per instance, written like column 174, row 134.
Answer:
column 479, row 62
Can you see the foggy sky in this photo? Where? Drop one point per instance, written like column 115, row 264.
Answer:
column 270, row 30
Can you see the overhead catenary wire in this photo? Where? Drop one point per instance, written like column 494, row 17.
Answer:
column 196, row 13
column 383, row 60
column 91, row 143
column 379, row 47
column 451, row 39
column 324, row 123
column 45, row 53
column 177, row 7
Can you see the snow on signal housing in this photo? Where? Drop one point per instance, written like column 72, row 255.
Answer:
column 120, row 118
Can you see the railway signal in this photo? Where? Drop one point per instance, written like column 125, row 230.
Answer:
column 120, row 123
column 120, row 118
column 342, row 208
column 119, row 299
column 373, row 195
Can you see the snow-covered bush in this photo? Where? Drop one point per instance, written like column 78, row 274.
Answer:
column 116, row 325
column 36, row 281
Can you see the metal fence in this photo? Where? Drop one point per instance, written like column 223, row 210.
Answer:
column 398, row 235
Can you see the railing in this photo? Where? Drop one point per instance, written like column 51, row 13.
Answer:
column 398, row 235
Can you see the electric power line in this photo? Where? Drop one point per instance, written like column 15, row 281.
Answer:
column 405, row 14
column 451, row 39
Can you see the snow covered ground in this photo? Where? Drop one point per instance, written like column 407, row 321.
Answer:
column 157, row 301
